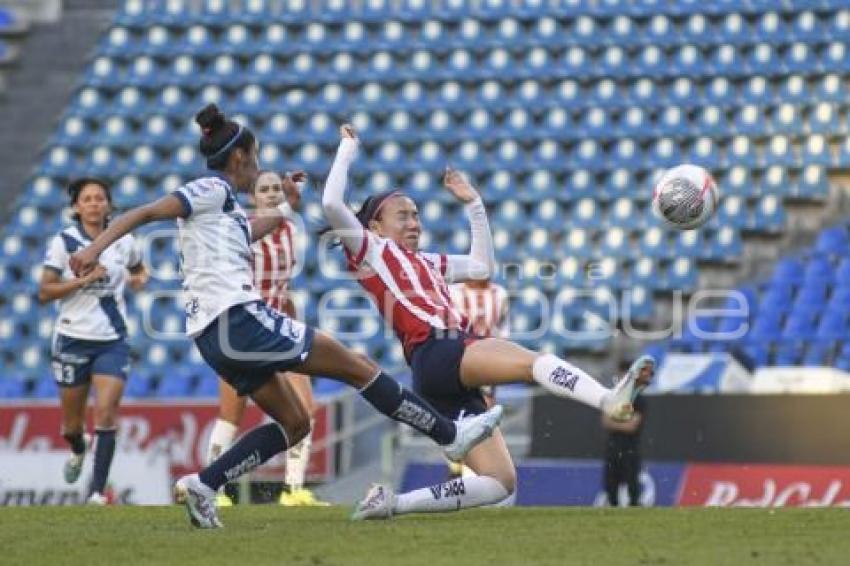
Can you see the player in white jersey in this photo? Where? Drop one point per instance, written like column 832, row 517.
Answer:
column 248, row 343
column 449, row 365
column 274, row 261
column 90, row 336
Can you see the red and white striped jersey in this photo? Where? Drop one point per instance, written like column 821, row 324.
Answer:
column 274, row 261
column 409, row 289
column 486, row 309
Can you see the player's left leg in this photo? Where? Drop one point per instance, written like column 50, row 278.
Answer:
column 108, row 392
column 493, row 361
column 495, row 482
column 298, row 457
column 110, row 364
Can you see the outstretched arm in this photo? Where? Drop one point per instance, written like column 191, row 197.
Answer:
column 342, row 220
column 480, row 262
column 168, row 207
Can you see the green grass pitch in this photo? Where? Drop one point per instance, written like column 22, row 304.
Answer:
column 268, row 534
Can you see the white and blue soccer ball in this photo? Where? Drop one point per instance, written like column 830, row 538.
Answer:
column 685, row 197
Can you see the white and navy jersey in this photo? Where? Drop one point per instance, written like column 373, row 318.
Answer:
column 215, row 251
column 97, row 311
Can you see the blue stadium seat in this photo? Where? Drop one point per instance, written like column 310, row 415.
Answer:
column 833, row 241
column 832, row 326
column 840, row 299
column 769, row 215
column 819, row 271
column 813, row 182
column 758, row 91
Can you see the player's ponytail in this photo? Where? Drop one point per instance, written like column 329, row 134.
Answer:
column 219, row 136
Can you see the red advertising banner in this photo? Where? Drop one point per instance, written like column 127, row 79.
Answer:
column 758, row 485
column 180, row 430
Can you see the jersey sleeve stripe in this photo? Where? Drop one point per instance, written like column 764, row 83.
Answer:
column 184, row 201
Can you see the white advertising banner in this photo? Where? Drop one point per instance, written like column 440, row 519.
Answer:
column 716, row 372
column 800, row 380
column 35, row 478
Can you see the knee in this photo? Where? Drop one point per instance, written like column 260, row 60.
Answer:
column 105, row 415
column 508, row 480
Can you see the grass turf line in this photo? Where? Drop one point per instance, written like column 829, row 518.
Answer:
column 268, row 534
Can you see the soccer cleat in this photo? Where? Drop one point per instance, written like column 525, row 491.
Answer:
column 97, row 499
column 378, row 504
column 74, row 465
column 471, row 431
column 222, row 500
column 301, row 497
column 618, row 404
column 199, row 500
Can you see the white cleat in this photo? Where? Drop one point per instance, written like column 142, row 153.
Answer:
column 74, row 465
column 618, row 404
column 378, row 504
column 97, row 499
column 471, row 431
column 199, row 500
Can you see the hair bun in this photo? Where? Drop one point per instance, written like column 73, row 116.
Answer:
column 210, row 119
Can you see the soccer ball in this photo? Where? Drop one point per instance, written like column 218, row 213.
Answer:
column 685, row 197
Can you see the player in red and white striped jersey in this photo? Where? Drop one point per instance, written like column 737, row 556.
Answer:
column 449, row 365
column 485, row 304
column 274, row 263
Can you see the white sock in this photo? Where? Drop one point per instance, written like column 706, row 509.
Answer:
column 459, row 493
column 509, row 501
column 297, row 459
column 221, row 438
column 566, row 380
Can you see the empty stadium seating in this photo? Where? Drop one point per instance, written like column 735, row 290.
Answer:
column 563, row 112
column 799, row 316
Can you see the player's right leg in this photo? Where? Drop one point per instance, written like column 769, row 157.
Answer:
column 276, row 398
column 72, row 400
column 330, row 358
column 494, row 482
column 231, row 407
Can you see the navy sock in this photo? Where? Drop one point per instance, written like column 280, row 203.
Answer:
column 403, row 405
column 76, row 442
column 103, row 452
column 260, row 444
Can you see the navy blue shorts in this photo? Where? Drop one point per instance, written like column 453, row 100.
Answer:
column 248, row 343
column 436, row 376
column 74, row 361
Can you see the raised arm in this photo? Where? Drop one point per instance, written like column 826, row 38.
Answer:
column 168, row 207
column 345, row 225
column 480, row 262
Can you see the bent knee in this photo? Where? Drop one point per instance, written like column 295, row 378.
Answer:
column 508, row 481
column 299, row 430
